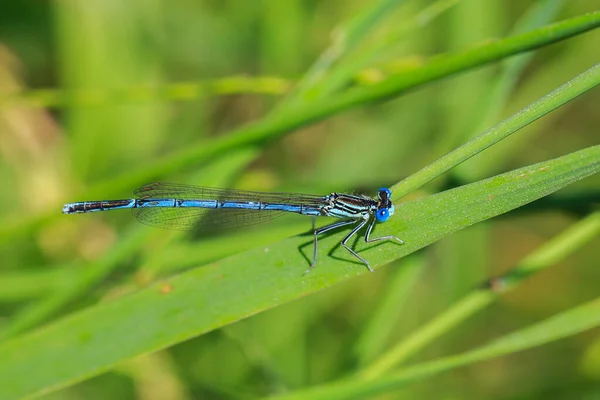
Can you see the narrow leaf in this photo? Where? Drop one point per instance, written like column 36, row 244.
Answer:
column 195, row 302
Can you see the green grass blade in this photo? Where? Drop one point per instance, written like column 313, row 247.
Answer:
column 500, row 90
column 204, row 299
column 565, row 324
column 345, row 39
column 445, row 65
column 575, row 87
column 485, row 111
column 20, row 286
column 547, row 255
column 182, row 91
column 344, row 73
column 376, row 332
column 93, row 272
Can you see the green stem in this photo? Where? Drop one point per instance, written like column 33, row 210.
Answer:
column 561, row 95
column 549, row 254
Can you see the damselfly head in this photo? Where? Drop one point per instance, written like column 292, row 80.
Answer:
column 385, row 208
column 384, row 193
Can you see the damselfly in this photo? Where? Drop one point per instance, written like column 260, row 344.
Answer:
column 183, row 207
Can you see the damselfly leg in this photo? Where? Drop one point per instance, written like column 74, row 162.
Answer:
column 388, row 237
column 359, row 225
column 324, row 229
column 348, row 236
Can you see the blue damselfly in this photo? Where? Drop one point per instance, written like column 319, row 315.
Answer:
column 183, row 207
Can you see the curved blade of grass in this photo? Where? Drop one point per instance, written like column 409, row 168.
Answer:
column 19, row 286
column 280, row 123
column 345, row 39
column 42, row 309
column 547, row 255
column 56, row 98
column 195, row 302
column 487, row 110
column 561, row 95
column 377, row 330
column 343, row 74
column 568, row 323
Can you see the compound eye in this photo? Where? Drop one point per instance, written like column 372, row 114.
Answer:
column 384, row 192
column 382, row 215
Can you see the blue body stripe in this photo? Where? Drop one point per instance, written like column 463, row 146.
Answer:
column 94, row 206
column 247, row 205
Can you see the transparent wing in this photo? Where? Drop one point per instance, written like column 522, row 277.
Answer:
column 187, row 218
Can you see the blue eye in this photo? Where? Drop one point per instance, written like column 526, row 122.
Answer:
column 382, row 214
column 386, row 191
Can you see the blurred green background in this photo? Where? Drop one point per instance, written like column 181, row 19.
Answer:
column 94, row 90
